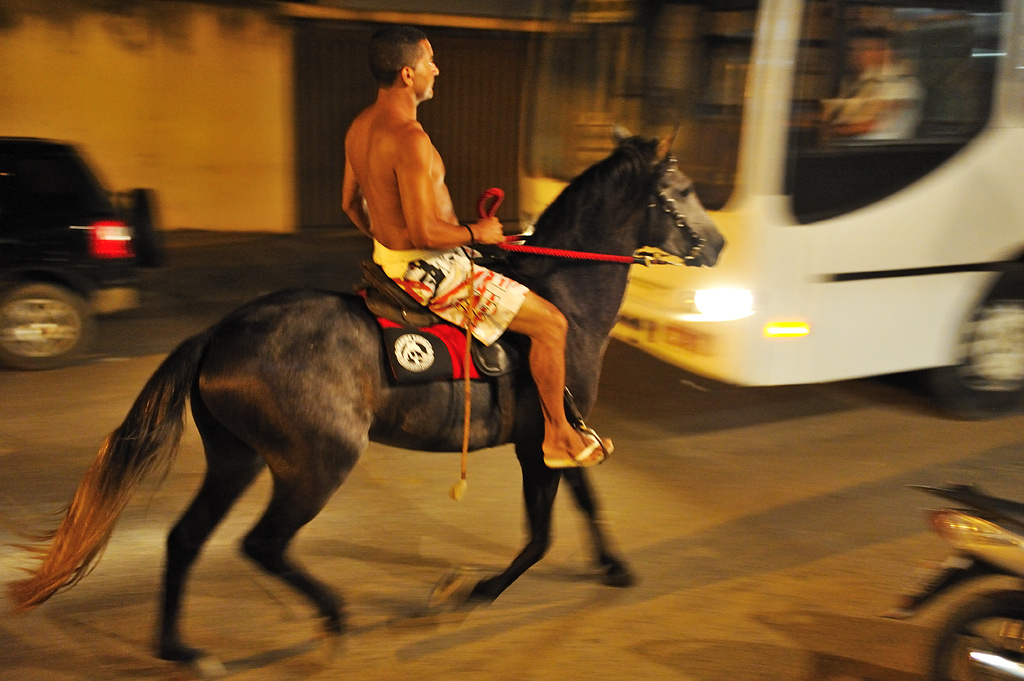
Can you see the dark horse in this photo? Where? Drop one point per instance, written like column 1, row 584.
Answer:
column 296, row 382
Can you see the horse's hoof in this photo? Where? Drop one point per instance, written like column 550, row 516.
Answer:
column 454, row 590
column 334, row 624
column 485, row 592
column 209, row 667
column 618, row 575
column 179, row 652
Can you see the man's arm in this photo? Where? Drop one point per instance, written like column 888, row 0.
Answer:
column 352, row 201
column 418, row 178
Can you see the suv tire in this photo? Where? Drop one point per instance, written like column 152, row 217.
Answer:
column 42, row 326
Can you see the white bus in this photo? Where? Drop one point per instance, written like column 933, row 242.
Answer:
column 850, row 252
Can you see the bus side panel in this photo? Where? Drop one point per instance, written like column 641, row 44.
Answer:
column 884, row 326
column 879, row 297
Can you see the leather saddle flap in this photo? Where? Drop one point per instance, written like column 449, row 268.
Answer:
column 386, row 299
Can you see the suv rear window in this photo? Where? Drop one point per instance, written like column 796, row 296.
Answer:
column 50, row 181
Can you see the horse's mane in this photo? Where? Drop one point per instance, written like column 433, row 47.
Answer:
column 621, row 178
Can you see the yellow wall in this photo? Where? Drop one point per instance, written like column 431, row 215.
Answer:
column 191, row 100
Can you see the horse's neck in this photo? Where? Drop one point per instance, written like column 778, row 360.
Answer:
column 589, row 295
column 589, row 292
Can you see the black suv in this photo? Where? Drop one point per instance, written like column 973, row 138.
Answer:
column 68, row 251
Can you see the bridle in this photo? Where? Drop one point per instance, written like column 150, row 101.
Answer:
column 664, row 202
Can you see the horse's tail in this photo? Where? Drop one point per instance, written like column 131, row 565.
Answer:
column 146, row 440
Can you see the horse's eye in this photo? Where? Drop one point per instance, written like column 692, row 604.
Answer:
column 681, row 192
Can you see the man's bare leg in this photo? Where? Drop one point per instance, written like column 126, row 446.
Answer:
column 546, row 327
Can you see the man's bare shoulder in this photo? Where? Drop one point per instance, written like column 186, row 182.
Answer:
column 417, row 147
column 381, row 129
column 405, row 145
column 408, row 133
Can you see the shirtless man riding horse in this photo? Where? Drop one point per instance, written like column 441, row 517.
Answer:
column 394, row 192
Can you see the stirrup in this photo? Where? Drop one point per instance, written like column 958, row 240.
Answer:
column 591, row 433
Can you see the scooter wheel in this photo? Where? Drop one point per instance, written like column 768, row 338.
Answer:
column 983, row 635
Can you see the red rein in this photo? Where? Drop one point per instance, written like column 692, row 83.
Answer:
column 495, row 196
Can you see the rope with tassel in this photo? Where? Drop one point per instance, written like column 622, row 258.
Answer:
column 459, row 488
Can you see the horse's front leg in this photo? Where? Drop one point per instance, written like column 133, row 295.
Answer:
column 540, row 484
column 614, row 571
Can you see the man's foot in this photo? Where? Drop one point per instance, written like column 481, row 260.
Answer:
column 594, row 452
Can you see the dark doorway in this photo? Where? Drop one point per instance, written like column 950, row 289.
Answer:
column 473, row 120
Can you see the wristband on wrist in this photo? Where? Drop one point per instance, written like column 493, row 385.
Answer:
column 472, row 237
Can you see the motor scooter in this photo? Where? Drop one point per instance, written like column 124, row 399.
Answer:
column 983, row 637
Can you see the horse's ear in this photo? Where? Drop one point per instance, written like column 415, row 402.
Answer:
column 665, row 143
column 620, row 134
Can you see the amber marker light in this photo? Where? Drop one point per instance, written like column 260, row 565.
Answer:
column 786, row 329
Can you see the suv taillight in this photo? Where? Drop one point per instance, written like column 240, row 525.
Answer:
column 110, row 239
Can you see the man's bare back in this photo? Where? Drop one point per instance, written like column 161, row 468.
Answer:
column 378, row 147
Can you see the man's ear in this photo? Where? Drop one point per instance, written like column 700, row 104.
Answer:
column 406, row 75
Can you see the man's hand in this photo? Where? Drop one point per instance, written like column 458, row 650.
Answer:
column 488, row 231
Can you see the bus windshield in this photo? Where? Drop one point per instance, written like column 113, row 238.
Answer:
column 685, row 65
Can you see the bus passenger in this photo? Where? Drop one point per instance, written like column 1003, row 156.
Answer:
column 883, row 101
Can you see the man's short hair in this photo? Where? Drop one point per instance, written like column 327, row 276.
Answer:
column 391, row 49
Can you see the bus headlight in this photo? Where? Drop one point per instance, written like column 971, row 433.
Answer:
column 723, row 304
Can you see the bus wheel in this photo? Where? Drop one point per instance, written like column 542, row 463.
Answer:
column 989, row 380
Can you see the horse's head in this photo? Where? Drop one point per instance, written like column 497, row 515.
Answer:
column 677, row 222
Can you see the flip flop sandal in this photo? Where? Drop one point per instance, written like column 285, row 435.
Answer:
column 591, row 455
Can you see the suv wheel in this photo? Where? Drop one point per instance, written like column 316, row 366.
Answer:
column 42, row 326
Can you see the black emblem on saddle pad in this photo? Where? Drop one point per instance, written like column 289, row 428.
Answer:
column 414, row 352
column 434, row 353
column 417, row 356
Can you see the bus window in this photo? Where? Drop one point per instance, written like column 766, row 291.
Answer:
column 884, row 93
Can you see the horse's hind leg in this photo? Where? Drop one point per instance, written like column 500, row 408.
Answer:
column 614, row 570
column 296, row 500
column 231, row 468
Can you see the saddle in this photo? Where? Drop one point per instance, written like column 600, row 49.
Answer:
column 422, row 346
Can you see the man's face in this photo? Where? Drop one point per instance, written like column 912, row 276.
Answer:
column 868, row 52
column 424, row 72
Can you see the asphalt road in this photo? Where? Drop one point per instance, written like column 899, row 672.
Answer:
column 767, row 527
